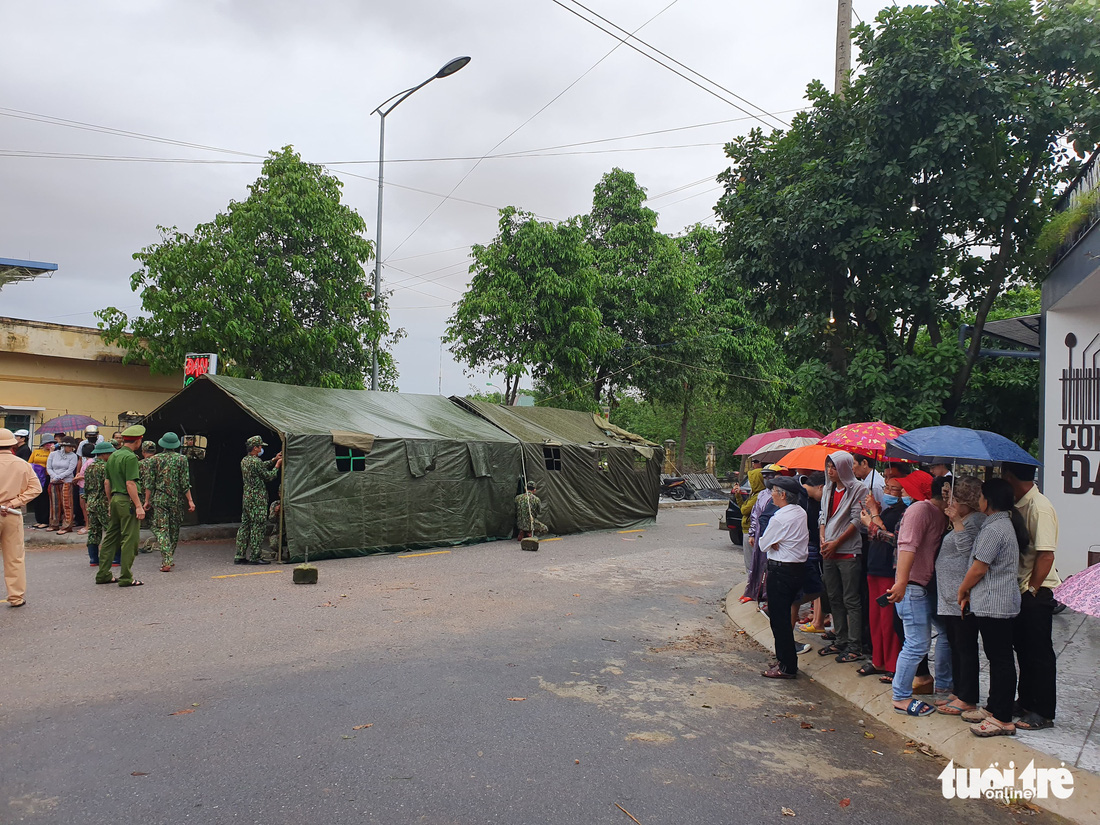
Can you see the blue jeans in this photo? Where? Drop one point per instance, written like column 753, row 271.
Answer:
column 915, row 612
column 945, row 678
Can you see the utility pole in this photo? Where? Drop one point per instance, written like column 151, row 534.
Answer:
column 843, row 46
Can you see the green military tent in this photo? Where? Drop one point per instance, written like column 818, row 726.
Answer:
column 590, row 474
column 363, row 471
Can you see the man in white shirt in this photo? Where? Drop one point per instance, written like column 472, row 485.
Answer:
column 786, row 541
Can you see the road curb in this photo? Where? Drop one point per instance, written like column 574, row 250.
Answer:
column 948, row 736
column 712, row 502
column 194, row 532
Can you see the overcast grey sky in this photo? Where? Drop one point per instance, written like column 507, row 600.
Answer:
column 254, row 76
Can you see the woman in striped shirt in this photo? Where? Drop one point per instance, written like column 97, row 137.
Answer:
column 991, row 592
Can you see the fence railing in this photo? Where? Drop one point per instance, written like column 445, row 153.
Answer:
column 1084, row 185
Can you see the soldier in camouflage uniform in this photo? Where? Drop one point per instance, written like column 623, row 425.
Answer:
column 256, row 474
column 95, row 497
column 169, row 485
column 528, row 509
column 144, row 485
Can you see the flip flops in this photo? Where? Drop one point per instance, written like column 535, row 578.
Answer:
column 915, row 708
column 134, row 583
column 887, row 678
column 953, row 709
column 868, row 670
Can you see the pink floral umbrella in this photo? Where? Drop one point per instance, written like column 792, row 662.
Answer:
column 1081, row 591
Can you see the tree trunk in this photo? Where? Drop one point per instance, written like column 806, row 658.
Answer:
column 745, row 458
column 1000, row 273
column 684, row 429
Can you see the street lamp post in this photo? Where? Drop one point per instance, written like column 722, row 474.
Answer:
column 382, row 110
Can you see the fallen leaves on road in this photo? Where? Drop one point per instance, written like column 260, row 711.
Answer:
column 361, row 727
column 806, row 726
column 139, row 773
column 868, row 735
column 327, row 604
column 787, row 811
column 182, row 712
column 845, row 802
column 517, row 698
column 345, row 736
column 908, row 751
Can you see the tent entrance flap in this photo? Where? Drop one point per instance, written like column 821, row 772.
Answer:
column 357, row 441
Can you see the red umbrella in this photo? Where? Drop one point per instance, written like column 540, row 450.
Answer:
column 868, row 438
column 754, row 442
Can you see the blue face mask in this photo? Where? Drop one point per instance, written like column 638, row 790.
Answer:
column 907, row 500
column 889, row 500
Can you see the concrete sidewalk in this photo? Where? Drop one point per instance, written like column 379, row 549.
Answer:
column 1074, row 740
column 195, row 532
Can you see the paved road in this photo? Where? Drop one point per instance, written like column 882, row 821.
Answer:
column 384, row 694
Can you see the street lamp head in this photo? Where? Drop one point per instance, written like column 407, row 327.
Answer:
column 452, row 67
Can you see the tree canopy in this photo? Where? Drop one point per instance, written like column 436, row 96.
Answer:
column 880, row 218
column 529, row 307
column 275, row 285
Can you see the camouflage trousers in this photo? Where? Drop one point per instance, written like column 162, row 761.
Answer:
column 250, row 536
column 98, row 516
column 166, row 531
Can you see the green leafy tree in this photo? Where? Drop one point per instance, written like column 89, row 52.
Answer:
column 879, row 219
column 275, row 285
column 530, row 304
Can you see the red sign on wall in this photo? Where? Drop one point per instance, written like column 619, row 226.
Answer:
column 199, row 363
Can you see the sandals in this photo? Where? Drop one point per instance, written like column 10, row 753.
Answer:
column 746, row 599
column 828, row 650
column 991, row 727
column 810, row 627
column 954, row 708
column 868, row 669
column 915, row 708
column 887, row 678
column 1033, row 721
column 829, row 636
column 134, row 583
column 976, row 715
column 114, row 580
column 167, row 568
column 849, row 657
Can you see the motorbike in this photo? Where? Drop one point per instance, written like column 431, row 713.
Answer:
column 676, row 488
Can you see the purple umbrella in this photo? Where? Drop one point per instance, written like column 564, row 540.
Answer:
column 66, row 424
column 1081, row 591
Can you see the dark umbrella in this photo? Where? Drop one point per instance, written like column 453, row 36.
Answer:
column 66, row 423
column 947, row 444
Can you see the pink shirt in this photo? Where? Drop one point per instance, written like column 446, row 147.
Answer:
column 920, row 532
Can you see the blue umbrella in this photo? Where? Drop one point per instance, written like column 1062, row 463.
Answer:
column 947, row 444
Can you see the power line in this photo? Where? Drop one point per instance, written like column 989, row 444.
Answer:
column 674, row 60
column 532, row 117
column 92, row 127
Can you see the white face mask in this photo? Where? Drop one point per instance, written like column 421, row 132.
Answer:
column 261, row 452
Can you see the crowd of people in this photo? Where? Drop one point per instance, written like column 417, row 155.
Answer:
column 901, row 557
column 98, row 487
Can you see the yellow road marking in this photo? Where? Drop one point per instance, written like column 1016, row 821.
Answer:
column 700, row 524
column 417, row 555
column 543, row 541
column 632, row 531
column 257, row 573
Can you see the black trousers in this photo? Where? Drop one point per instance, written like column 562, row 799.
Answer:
column 962, row 633
column 785, row 580
column 997, row 644
column 1031, row 638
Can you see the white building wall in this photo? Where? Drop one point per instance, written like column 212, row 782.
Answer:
column 1071, row 431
